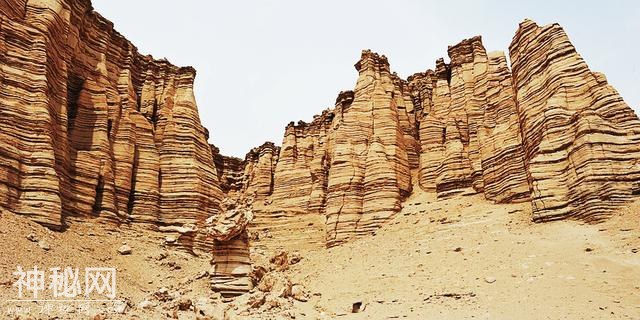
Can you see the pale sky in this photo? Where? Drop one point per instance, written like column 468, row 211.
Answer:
column 262, row 64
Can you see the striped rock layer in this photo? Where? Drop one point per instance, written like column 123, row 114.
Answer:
column 581, row 141
column 351, row 164
column 551, row 132
column 92, row 130
column 469, row 134
column 230, row 256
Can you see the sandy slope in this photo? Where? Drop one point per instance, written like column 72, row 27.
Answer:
column 437, row 258
column 139, row 274
column 462, row 258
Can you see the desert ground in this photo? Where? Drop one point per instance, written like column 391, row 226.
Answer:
column 461, row 258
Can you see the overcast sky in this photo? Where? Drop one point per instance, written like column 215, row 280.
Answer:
column 262, row 64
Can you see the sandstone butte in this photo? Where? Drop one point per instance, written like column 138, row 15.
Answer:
column 92, row 130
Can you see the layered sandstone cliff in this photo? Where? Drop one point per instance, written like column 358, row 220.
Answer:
column 581, row 141
column 470, row 135
column 469, row 125
column 350, row 164
column 91, row 129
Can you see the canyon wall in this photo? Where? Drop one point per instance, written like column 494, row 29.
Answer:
column 93, row 130
column 469, row 134
column 581, row 141
column 551, row 132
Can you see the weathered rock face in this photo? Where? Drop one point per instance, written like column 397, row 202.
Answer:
column 230, row 172
column 231, row 262
column 369, row 170
column 468, row 125
column 470, row 135
column 260, row 165
column 91, row 129
column 503, row 171
column 581, row 140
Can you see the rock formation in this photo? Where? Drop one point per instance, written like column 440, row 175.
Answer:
column 230, row 172
column 350, row 164
column 580, row 139
column 369, row 171
column 468, row 125
column 231, row 263
column 470, row 135
column 91, row 129
column 260, row 165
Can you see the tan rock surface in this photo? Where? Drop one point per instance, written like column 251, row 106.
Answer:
column 471, row 134
column 106, row 144
column 231, row 262
column 117, row 135
column 580, row 139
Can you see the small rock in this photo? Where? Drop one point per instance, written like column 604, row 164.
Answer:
column 32, row 237
column 276, row 284
column 295, row 258
column 124, row 250
column 162, row 294
column 99, row 316
column 489, row 279
column 299, row 293
column 357, row 307
column 146, row 305
column 458, row 249
column 257, row 272
column 44, row 245
column 273, row 302
column 255, row 300
column 588, row 249
column 184, row 304
column 280, row 260
column 202, row 274
column 170, row 239
column 119, row 307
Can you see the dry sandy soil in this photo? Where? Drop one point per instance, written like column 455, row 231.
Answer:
column 462, row 258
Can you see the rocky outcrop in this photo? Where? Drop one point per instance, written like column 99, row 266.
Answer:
column 91, row 129
column 369, row 171
column 470, row 137
column 503, row 171
column 260, row 165
column 231, row 262
column 230, row 172
column 464, row 126
column 351, row 163
column 581, row 140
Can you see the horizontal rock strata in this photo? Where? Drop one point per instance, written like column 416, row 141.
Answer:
column 230, row 258
column 91, row 129
column 465, row 124
column 581, row 140
column 470, row 136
